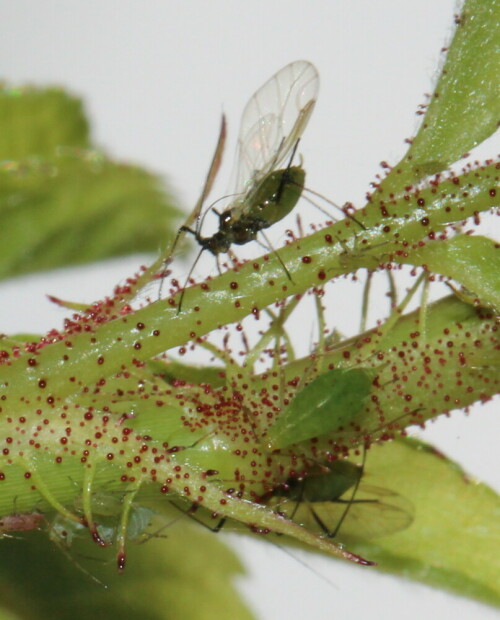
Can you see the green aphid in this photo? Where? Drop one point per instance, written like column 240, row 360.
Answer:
column 328, row 402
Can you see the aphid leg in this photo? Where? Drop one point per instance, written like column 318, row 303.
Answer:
column 297, row 503
column 351, row 499
column 217, row 262
column 179, row 307
column 47, row 495
column 269, row 244
column 219, row 525
column 121, row 536
column 321, row 524
column 88, row 479
column 168, row 258
column 63, row 548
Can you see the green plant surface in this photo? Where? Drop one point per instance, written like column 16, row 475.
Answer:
column 61, row 202
column 464, row 108
column 37, row 121
column 95, row 429
column 455, row 535
column 169, row 577
column 472, row 261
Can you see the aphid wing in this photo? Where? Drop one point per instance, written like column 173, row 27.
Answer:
column 273, row 120
column 376, row 512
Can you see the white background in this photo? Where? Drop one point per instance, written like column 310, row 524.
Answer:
column 155, row 76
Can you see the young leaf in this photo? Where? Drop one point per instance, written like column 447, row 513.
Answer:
column 465, row 107
column 454, row 539
column 171, row 576
column 36, row 121
column 473, row 262
column 75, row 207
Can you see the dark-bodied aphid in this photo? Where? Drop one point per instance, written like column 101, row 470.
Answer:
column 262, row 206
column 332, row 498
column 271, row 126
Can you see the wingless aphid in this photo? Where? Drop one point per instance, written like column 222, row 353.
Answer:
column 271, row 126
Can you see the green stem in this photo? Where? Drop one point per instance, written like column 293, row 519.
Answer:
column 89, row 352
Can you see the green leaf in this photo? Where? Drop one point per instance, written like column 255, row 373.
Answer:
column 167, row 578
column 454, row 540
column 35, row 121
column 465, row 107
column 76, row 207
column 474, row 262
column 322, row 406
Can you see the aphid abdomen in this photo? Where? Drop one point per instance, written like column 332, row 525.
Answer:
column 277, row 195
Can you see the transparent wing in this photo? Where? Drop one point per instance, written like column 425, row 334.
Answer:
column 272, row 121
column 375, row 512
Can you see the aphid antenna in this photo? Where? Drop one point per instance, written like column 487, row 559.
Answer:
column 167, row 260
column 304, row 564
column 342, row 210
column 211, row 208
column 77, row 564
column 158, row 533
column 194, row 216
